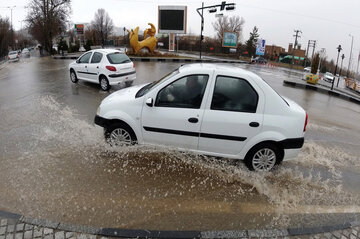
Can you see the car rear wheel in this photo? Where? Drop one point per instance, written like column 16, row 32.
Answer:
column 104, row 83
column 263, row 157
column 73, row 77
column 120, row 135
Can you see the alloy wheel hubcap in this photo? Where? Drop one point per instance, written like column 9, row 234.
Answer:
column 120, row 137
column 264, row 160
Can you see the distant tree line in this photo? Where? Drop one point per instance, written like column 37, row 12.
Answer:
column 5, row 36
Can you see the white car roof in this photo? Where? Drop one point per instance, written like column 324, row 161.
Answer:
column 229, row 69
column 106, row 51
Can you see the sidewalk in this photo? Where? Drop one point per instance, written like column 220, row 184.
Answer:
column 15, row 226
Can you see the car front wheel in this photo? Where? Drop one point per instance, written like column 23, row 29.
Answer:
column 263, row 157
column 104, row 83
column 73, row 77
column 120, row 135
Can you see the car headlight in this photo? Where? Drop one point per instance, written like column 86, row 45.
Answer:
column 98, row 110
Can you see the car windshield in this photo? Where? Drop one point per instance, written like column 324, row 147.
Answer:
column 25, row 50
column 151, row 85
column 118, row 58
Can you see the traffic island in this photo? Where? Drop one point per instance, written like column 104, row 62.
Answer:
column 18, row 226
column 323, row 89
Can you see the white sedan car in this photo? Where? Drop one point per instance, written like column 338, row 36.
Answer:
column 209, row 109
column 106, row 67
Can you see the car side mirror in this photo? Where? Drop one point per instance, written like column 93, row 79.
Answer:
column 149, row 102
column 77, row 61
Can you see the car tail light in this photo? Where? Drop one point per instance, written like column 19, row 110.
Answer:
column 9, row 57
column 17, row 55
column 111, row 68
column 133, row 65
column 306, row 122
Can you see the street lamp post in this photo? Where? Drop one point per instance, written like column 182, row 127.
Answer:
column 229, row 6
column 352, row 41
column 11, row 24
column 342, row 59
column 337, row 60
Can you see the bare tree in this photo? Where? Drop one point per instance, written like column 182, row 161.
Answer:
column 228, row 24
column 46, row 19
column 102, row 25
column 4, row 36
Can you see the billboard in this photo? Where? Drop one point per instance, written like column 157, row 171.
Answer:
column 260, row 47
column 172, row 19
column 230, row 39
column 79, row 28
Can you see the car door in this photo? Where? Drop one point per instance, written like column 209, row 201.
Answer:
column 94, row 67
column 175, row 117
column 233, row 115
column 81, row 66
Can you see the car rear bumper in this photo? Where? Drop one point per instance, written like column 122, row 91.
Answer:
column 101, row 121
column 293, row 143
column 14, row 59
column 115, row 79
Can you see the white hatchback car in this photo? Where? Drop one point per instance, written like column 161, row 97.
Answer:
column 104, row 66
column 209, row 109
column 13, row 56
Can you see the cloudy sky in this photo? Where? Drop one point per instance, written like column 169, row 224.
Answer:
column 328, row 21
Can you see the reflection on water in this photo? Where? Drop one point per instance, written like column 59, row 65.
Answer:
column 64, row 171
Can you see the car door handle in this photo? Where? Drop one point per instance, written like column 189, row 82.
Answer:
column 254, row 124
column 193, row 120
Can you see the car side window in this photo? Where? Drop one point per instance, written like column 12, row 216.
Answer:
column 234, row 94
column 85, row 58
column 186, row 92
column 96, row 58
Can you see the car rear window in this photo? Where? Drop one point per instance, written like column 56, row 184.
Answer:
column 12, row 52
column 118, row 58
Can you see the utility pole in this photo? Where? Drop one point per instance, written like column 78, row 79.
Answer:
column 297, row 32
column 307, row 51
column 314, row 46
column 352, row 41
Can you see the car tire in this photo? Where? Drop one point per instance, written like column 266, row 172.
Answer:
column 73, row 77
column 104, row 83
column 263, row 157
column 120, row 134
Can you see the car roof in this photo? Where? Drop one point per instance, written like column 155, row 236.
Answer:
column 106, row 51
column 232, row 70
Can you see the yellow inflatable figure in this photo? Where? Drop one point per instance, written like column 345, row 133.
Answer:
column 148, row 42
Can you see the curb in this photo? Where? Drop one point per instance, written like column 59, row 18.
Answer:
column 155, row 59
column 134, row 233
column 322, row 90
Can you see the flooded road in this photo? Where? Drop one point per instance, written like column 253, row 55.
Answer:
column 54, row 163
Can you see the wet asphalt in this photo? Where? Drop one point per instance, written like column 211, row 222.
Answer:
column 54, row 163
